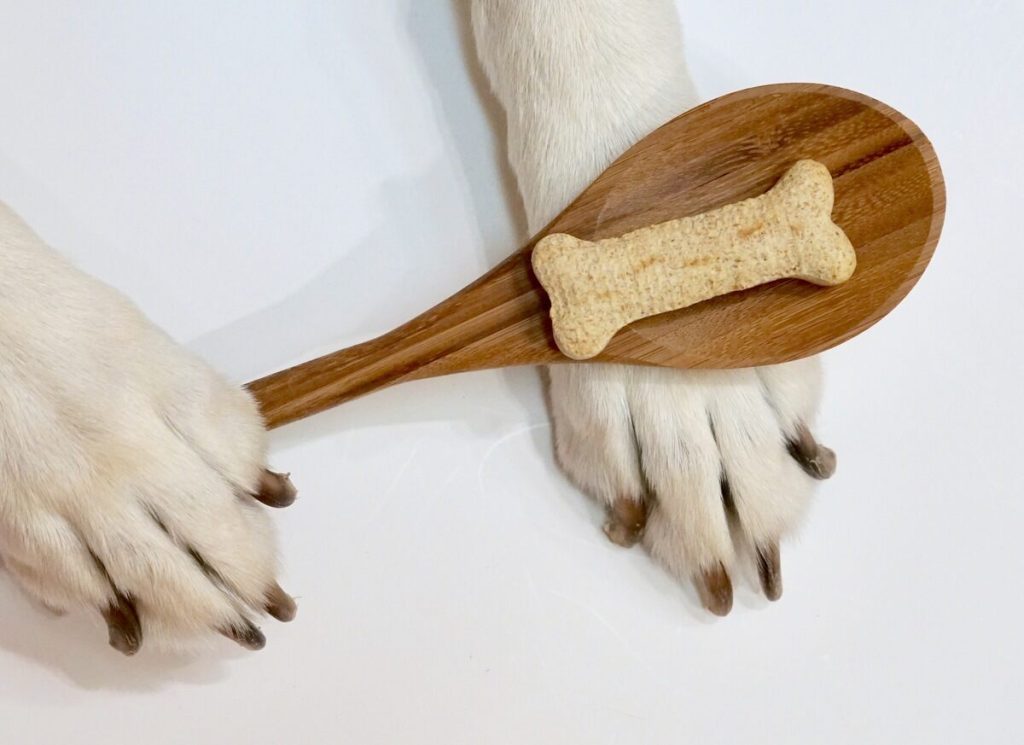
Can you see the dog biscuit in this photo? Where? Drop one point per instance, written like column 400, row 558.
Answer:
column 596, row 288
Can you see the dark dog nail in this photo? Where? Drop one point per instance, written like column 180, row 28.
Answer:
column 123, row 626
column 715, row 590
column 280, row 604
column 769, row 569
column 275, row 489
column 247, row 635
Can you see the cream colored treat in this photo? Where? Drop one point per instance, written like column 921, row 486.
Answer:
column 597, row 288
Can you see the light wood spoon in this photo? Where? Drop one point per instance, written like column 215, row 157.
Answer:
column 889, row 201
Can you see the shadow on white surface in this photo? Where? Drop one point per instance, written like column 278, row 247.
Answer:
column 426, row 28
column 306, row 323
column 380, row 286
column 74, row 648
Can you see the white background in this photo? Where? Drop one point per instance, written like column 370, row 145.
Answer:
column 273, row 180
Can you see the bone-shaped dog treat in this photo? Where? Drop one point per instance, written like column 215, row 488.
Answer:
column 597, row 288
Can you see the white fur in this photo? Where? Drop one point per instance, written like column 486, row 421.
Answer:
column 104, row 423
column 581, row 81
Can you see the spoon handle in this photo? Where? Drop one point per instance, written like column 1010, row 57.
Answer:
column 498, row 321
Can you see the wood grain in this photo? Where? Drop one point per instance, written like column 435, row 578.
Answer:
column 890, row 201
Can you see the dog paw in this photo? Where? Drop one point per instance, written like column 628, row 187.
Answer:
column 704, row 467
column 130, row 472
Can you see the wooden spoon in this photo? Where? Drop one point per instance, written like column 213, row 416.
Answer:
column 889, row 200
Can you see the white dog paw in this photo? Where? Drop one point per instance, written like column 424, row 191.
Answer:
column 697, row 464
column 129, row 470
